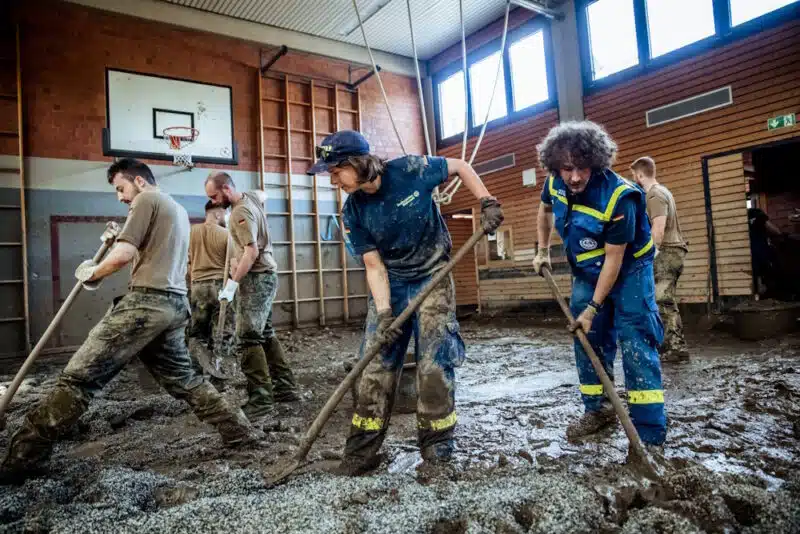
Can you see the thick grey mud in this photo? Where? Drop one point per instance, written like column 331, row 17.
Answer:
column 139, row 461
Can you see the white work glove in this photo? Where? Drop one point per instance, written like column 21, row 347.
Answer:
column 542, row 258
column 84, row 272
column 584, row 320
column 229, row 290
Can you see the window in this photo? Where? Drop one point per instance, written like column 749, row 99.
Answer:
column 621, row 39
column 528, row 71
column 525, row 83
column 612, row 37
column 500, row 245
column 453, row 104
column 745, row 10
column 674, row 24
column 482, row 75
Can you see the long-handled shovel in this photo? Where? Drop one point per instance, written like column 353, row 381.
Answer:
column 316, row 427
column 109, row 236
column 650, row 469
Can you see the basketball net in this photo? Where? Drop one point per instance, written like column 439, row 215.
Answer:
column 178, row 137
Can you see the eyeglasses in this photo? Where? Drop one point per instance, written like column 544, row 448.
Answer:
column 323, row 152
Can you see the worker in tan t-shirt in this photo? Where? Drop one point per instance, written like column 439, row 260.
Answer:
column 254, row 274
column 208, row 246
column 671, row 251
column 148, row 322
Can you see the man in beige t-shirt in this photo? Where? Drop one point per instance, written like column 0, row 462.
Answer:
column 208, row 246
column 148, row 322
column 254, row 274
column 671, row 251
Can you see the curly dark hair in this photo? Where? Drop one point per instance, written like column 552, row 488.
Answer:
column 580, row 144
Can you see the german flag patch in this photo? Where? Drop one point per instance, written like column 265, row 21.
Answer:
column 242, row 221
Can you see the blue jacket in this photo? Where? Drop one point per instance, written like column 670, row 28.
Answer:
column 583, row 226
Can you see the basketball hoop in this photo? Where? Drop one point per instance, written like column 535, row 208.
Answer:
column 178, row 137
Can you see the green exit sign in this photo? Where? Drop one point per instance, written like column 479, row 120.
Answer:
column 784, row 121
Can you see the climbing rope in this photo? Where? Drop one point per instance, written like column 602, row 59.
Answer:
column 446, row 196
column 466, row 86
column 378, row 76
column 419, row 82
column 452, row 188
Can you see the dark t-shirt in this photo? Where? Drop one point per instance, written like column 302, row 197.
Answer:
column 401, row 220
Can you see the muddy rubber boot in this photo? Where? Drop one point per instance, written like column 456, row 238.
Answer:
column 284, row 386
column 27, row 456
column 591, row 423
column 259, row 386
column 438, row 452
column 259, row 405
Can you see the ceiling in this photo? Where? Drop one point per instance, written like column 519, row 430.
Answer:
column 436, row 22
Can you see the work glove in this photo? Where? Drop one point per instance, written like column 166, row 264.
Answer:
column 110, row 233
column 542, row 259
column 384, row 333
column 491, row 214
column 85, row 272
column 229, row 290
column 584, row 320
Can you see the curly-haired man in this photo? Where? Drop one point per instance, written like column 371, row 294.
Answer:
column 602, row 220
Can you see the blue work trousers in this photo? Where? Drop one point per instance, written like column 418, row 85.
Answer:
column 439, row 349
column 629, row 316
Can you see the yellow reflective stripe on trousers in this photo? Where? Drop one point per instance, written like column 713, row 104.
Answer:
column 589, row 255
column 367, row 423
column 647, row 396
column 553, row 192
column 439, row 424
column 644, row 250
column 592, row 389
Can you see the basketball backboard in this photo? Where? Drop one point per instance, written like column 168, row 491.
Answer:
column 140, row 106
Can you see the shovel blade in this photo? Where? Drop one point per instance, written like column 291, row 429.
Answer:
column 284, row 474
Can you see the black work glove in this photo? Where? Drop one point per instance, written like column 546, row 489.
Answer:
column 491, row 214
column 384, row 333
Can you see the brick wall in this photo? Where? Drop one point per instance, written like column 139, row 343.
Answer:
column 66, row 49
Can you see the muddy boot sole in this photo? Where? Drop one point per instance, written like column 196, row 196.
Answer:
column 590, row 424
column 356, row 467
column 286, row 396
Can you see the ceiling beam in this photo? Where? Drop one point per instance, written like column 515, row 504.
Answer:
column 251, row 31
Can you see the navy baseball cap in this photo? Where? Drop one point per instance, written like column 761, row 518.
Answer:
column 336, row 148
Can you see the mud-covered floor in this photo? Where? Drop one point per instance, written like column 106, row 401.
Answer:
column 140, row 462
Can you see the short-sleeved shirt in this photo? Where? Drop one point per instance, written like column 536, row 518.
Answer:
column 208, row 245
column 159, row 229
column 660, row 203
column 401, row 220
column 248, row 225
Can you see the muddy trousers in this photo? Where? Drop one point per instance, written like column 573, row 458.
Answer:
column 262, row 358
column 205, row 305
column 438, row 350
column 667, row 267
column 629, row 316
column 147, row 323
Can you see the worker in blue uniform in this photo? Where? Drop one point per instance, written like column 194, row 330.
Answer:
column 394, row 225
column 602, row 221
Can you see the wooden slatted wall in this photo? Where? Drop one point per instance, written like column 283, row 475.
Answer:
column 763, row 71
column 729, row 215
column 464, row 272
column 519, row 204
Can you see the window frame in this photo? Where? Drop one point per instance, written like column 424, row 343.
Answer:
column 724, row 33
column 511, row 116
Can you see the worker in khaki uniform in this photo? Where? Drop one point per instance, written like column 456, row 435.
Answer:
column 253, row 273
column 668, row 263
column 148, row 322
column 394, row 225
column 208, row 245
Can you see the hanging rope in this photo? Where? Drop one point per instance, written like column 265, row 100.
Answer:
column 464, row 70
column 447, row 196
column 378, row 76
column 419, row 82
